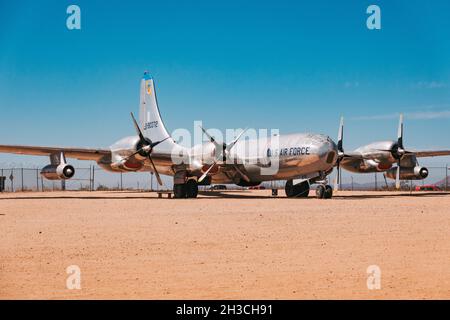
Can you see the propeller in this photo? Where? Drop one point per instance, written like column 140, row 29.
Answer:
column 146, row 148
column 398, row 151
column 341, row 154
column 222, row 155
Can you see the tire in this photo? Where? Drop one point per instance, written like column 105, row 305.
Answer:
column 320, row 191
column 179, row 191
column 289, row 189
column 328, row 192
column 300, row 190
column 191, row 189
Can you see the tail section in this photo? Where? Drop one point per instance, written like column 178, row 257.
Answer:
column 149, row 116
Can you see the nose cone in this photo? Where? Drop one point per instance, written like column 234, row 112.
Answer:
column 328, row 151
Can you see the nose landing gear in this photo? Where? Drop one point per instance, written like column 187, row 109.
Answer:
column 324, row 192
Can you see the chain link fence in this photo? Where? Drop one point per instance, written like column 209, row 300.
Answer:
column 94, row 178
column 85, row 179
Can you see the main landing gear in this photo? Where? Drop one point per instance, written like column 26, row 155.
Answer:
column 301, row 190
column 186, row 190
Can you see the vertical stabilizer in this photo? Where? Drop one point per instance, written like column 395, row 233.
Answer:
column 149, row 116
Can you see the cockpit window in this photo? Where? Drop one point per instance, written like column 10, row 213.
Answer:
column 330, row 157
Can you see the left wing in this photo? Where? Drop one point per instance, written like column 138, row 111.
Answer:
column 76, row 153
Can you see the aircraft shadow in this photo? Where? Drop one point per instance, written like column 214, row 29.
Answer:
column 403, row 194
column 75, row 197
column 226, row 195
column 218, row 194
column 211, row 195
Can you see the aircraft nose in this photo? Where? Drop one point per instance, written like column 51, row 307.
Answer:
column 329, row 151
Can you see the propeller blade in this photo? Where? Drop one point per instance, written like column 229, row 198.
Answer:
column 339, row 175
column 207, row 134
column 337, row 179
column 217, row 145
column 206, row 173
column 211, row 138
column 146, row 148
column 341, row 155
column 156, row 171
column 132, row 155
column 242, row 174
column 336, row 185
column 154, row 144
column 231, row 145
column 136, row 126
column 340, row 145
column 400, row 132
column 397, row 177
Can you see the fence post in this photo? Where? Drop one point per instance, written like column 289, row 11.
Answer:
column 93, row 178
column 21, row 178
column 446, row 177
column 90, row 178
column 37, row 180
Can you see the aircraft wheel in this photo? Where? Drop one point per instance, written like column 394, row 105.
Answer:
column 179, row 191
column 191, row 189
column 300, row 190
column 320, row 191
column 328, row 192
column 289, row 189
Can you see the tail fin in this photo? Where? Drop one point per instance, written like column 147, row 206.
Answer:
column 149, row 116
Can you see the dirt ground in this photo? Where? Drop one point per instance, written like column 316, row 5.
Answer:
column 232, row 245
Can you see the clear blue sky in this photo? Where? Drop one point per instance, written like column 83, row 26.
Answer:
column 293, row 65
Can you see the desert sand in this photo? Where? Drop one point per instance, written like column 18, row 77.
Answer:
column 232, row 245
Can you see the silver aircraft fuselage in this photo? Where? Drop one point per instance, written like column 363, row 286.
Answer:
column 293, row 156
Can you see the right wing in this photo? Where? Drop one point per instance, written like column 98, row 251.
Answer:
column 431, row 153
column 76, row 153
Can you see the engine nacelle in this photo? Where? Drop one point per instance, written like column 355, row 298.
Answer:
column 58, row 172
column 416, row 173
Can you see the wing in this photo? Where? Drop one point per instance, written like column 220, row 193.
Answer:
column 76, row 153
column 431, row 153
column 353, row 155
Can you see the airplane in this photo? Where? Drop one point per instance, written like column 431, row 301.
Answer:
column 381, row 156
column 303, row 159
